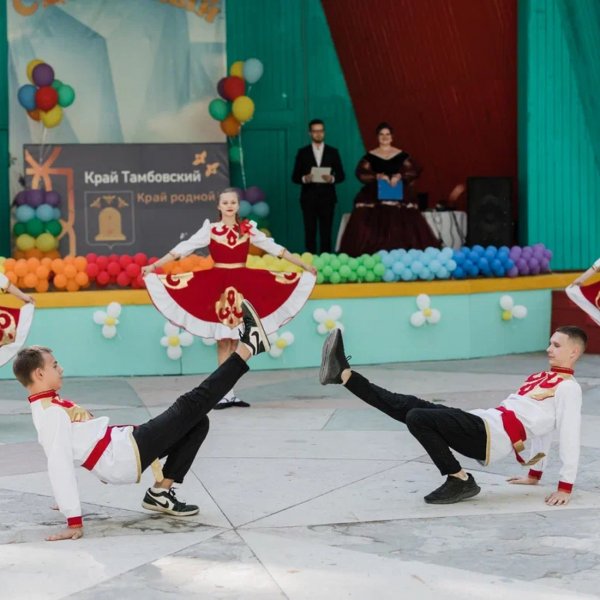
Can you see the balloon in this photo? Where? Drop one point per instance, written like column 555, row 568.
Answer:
column 46, row 98
column 19, row 228
column 56, row 84
column 220, row 88
column 235, row 154
column 506, row 302
column 519, row 312
column 52, row 118
column 42, row 75
column 44, row 212
column 253, row 70
column 237, row 68
column 66, row 95
column 36, row 114
column 54, row 228
column 25, row 242
column 218, row 109
column 230, row 126
column 417, row 319
column 52, row 198
column 20, row 198
column 233, row 87
column 245, row 209
column 243, row 108
column 34, row 227
column 261, row 209
column 45, row 242
column 57, row 213
column 24, row 213
column 34, row 197
column 31, row 65
column 254, row 194
column 26, row 97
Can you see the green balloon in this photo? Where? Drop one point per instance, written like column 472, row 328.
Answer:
column 19, row 229
column 345, row 271
column 335, row 263
column 218, row 109
column 335, row 278
column 34, row 227
column 379, row 269
column 66, row 95
column 54, row 227
column 353, row 264
column 235, row 154
column 56, row 84
column 320, row 278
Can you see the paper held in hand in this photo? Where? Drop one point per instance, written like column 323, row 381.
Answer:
column 318, row 172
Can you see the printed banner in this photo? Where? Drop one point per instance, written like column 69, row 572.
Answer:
column 128, row 198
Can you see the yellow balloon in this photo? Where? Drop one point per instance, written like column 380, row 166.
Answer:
column 237, row 69
column 52, row 117
column 506, row 315
column 31, row 65
column 242, row 108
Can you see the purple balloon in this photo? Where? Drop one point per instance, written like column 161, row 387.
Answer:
column 545, row 265
column 221, row 88
column 254, row 194
column 515, row 252
column 52, row 198
column 20, row 198
column 513, row 271
column 35, row 198
column 527, row 252
column 42, row 75
column 240, row 192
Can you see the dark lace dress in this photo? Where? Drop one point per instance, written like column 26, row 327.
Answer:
column 386, row 225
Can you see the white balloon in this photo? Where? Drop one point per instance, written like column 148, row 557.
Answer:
column 288, row 336
column 185, row 338
column 113, row 309
column 174, row 352
column 320, row 315
column 100, row 317
column 435, row 316
column 339, row 326
column 322, row 329
column 170, row 330
column 273, row 337
column 423, row 301
column 519, row 311
column 275, row 351
column 417, row 319
column 506, row 302
column 335, row 312
column 109, row 331
column 164, row 341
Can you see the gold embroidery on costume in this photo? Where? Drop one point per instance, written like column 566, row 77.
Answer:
column 77, row 414
column 228, row 236
column 540, row 386
column 176, row 282
column 229, row 307
column 8, row 328
column 282, row 277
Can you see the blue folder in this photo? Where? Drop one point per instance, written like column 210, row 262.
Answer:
column 386, row 192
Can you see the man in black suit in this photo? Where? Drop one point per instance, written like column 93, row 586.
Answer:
column 317, row 199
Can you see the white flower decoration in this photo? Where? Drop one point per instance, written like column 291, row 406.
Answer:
column 108, row 319
column 510, row 309
column 425, row 314
column 280, row 342
column 174, row 339
column 328, row 319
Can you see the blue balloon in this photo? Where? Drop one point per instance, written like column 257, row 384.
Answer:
column 253, row 70
column 483, row 264
column 245, row 208
column 496, row 264
column 426, row 274
column 413, row 253
column 389, row 275
column 473, row 271
column 431, row 251
column 261, row 209
column 407, row 259
column 459, row 273
column 24, row 213
column 44, row 212
column 434, row 266
column 443, row 273
column 509, row 264
column 26, row 96
column 398, row 268
column 451, row 265
column 407, row 275
column 490, row 253
column 387, row 260
column 447, row 253
column 416, row 266
column 56, row 214
column 477, row 249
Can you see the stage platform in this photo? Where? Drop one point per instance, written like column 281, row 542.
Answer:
column 375, row 317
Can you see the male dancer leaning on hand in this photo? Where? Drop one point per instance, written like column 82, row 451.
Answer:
column 547, row 401
column 118, row 454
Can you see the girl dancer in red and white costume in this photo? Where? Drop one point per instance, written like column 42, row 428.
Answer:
column 14, row 322
column 588, row 296
column 208, row 303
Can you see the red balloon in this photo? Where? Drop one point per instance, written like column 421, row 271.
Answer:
column 233, row 87
column 125, row 260
column 140, row 259
column 123, row 280
column 92, row 270
column 133, row 270
column 46, row 98
column 102, row 262
column 103, row 278
column 114, row 268
column 91, row 257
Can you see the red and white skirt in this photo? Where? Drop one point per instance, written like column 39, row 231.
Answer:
column 14, row 328
column 587, row 298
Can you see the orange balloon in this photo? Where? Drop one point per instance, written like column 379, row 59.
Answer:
column 34, row 114
column 47, row 262
column 42, row 272
column 80, row 263
column 33, row 264
column 72, row 286
column 12, row 277
column 255, row 251
column 52, row 254
column 70, row 271
column 34, row 253
column 230, row 126
column 60, row 281
column 69, row 260
column 42, row 286
column 21, row 268
column 82, row 279
column 9, row 264
column 30, row 280
column 18, row 254
column 58, row 266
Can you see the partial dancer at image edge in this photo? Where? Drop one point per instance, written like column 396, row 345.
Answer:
column 587, row 297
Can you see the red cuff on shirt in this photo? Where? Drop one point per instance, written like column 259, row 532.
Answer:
column 533, row 474
column 565, row 487
column 75, row 522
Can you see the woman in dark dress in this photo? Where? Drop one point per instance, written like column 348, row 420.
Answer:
column 386, row 224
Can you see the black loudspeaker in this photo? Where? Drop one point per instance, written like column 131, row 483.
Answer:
column 489, row 208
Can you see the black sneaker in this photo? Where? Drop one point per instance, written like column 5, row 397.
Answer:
column 454, row 490
column 333, row 359
column 253, row 334
column 166, row 502
column 235, row 401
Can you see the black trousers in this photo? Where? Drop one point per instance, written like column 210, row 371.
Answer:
column 179, row 431
column 317, row 212
column 437, row 428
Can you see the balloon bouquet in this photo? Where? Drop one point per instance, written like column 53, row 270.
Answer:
column 37, row 212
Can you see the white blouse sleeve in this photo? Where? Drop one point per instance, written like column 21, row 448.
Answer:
column 4, row 282
column 260, row 240
column 200, row 239
column 596, row 265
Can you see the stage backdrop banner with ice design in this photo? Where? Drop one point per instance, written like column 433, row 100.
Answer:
column 143, row 71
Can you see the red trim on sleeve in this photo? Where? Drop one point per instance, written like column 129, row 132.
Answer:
column 565, row 487
column 533, row 474
column 75, row 522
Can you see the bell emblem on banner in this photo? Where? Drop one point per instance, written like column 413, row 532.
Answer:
column 110, row 227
